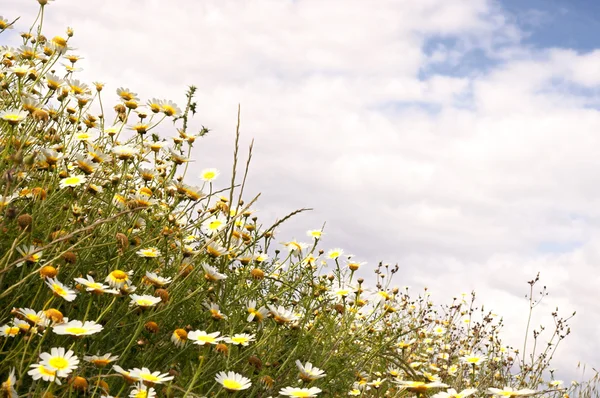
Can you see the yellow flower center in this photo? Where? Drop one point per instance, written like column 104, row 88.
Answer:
column 149, row 377
column 300, row 394
column 58, row 363
column 232, row 384
column 239, row 340
column 75, row 330
column 59, row 290
column 144, row 303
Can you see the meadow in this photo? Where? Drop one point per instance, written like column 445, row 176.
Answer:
column 120, row 279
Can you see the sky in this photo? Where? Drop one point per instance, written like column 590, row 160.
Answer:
column 457, row 138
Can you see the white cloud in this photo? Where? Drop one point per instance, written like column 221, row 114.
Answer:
column 460, row 179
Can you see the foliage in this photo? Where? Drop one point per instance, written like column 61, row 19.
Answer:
column 117, row 277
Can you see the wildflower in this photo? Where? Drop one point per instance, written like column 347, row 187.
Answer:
column 212, row 274
column 102, row 360
column 209, row 175
column 59, row 360
column 240, row 339
column 147, row 376
column 118, row 278
column 124, row 152
column 31, row 254
column 309, row 372
column 452, row 393
column 473, row 359
column 77, row 87
column 282, row 315
column 13, row 116
column 342, row 291
column 419, row 386
column 215, row 250
column 95, row 287
column 232, row 381
column 215, row 312
column 300, row 392
column 169, row 108
column 254, row 314
column 179, row 337
column 213, row 225
column 334, row 253
column 61, row 290
column 144, row 300
column 54, row 315
column 510, row 392
column 150, row 252
column 140, row 128
column 85, row 164
column 126, row 374
column 156, row 280
column 7, row 388
column 5, row 24
column 142, row 391
column 200, row 337
column 295, row 246
column 9, row 330
column 77, row 328
column 155, row 105
column 72, row 181
column 177, row 158
column 46, row 373
column 314, row 233
column 126, row 94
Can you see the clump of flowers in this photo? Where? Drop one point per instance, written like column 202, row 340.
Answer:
column 124, row 271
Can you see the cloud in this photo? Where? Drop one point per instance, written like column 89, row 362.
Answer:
column 422, row 132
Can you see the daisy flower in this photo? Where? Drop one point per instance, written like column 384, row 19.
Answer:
column 9, row 330
column 232, row 381
column 309, row 372
column 212, row 274
column 334, row 253
column 473, row 359
column 147, row 376
column 118, row 278
column 452, row 393
column 179, row 337
column 314, row 233
column 7, row 388
column 215, row 311
column 95, row 287
column 72, row 181
column 419, row 386
column 510, row 392
column 13, row 116
column 36, row 318
column 40, row 371
column 126, row 374
column 300, row 392
column 124, row 152
column 61, row 290
column 295, row 246
column 240, row 339
column 149, row 252
column 282, row 315
column 142, row 391
column 256, row 314
column 59, row 360
column 144, row 300
column 156, row 280
column 102, row 360
column 213, row 225
column 200, row 337
column 77, row 328
column 209, row 175
column 169, row 108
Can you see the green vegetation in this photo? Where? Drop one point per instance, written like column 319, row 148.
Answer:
column 117, row 278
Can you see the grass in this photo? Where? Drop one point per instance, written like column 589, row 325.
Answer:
column 117, row 278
